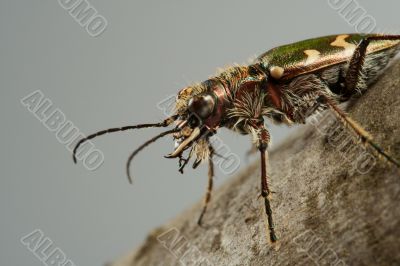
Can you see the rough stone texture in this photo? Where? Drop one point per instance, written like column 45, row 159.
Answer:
column 330, row 208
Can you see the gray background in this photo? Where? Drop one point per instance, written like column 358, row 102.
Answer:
column 149, row 51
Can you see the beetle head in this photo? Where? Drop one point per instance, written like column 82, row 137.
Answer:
column 201, row 112
column 192, row 124
column 197, row 116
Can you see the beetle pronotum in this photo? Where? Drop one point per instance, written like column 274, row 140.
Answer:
column 286, row 84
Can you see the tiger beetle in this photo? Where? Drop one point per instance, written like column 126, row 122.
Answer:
column 286, row 85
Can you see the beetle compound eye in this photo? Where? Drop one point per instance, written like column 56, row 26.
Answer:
column 202, row 106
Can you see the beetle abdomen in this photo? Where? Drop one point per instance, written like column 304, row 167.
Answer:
column 298, row 95
column 316, row 54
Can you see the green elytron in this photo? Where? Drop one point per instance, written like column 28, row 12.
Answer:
column 286, row 84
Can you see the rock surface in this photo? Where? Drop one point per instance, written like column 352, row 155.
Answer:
column 334, row 203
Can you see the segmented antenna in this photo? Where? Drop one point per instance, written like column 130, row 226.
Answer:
column 144, row 145
column 165, row 123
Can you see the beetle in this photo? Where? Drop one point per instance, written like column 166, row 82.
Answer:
column 286, row 85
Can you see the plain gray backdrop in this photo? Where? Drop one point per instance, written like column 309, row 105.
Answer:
column 150, row 50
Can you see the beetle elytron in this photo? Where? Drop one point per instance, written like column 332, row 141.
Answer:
column 286, row 84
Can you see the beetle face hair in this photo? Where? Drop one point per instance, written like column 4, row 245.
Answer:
column 184, row 96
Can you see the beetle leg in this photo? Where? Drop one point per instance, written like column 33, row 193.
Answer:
column 364, row 136
column 354, row 72
column 263, row 140
column 207, row 198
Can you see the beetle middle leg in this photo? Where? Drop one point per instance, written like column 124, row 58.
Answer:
column 357, row 62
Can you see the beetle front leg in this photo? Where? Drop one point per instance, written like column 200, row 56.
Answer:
column 207, row 198
column 263, row 140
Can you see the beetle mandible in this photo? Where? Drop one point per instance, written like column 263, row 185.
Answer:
column 286, row 85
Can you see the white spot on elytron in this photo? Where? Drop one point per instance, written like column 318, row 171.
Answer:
column 341, row 42
column 276, row 72
column 312, row 56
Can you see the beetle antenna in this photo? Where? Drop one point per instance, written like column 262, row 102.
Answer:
column 165, row 123
column 144, row 145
